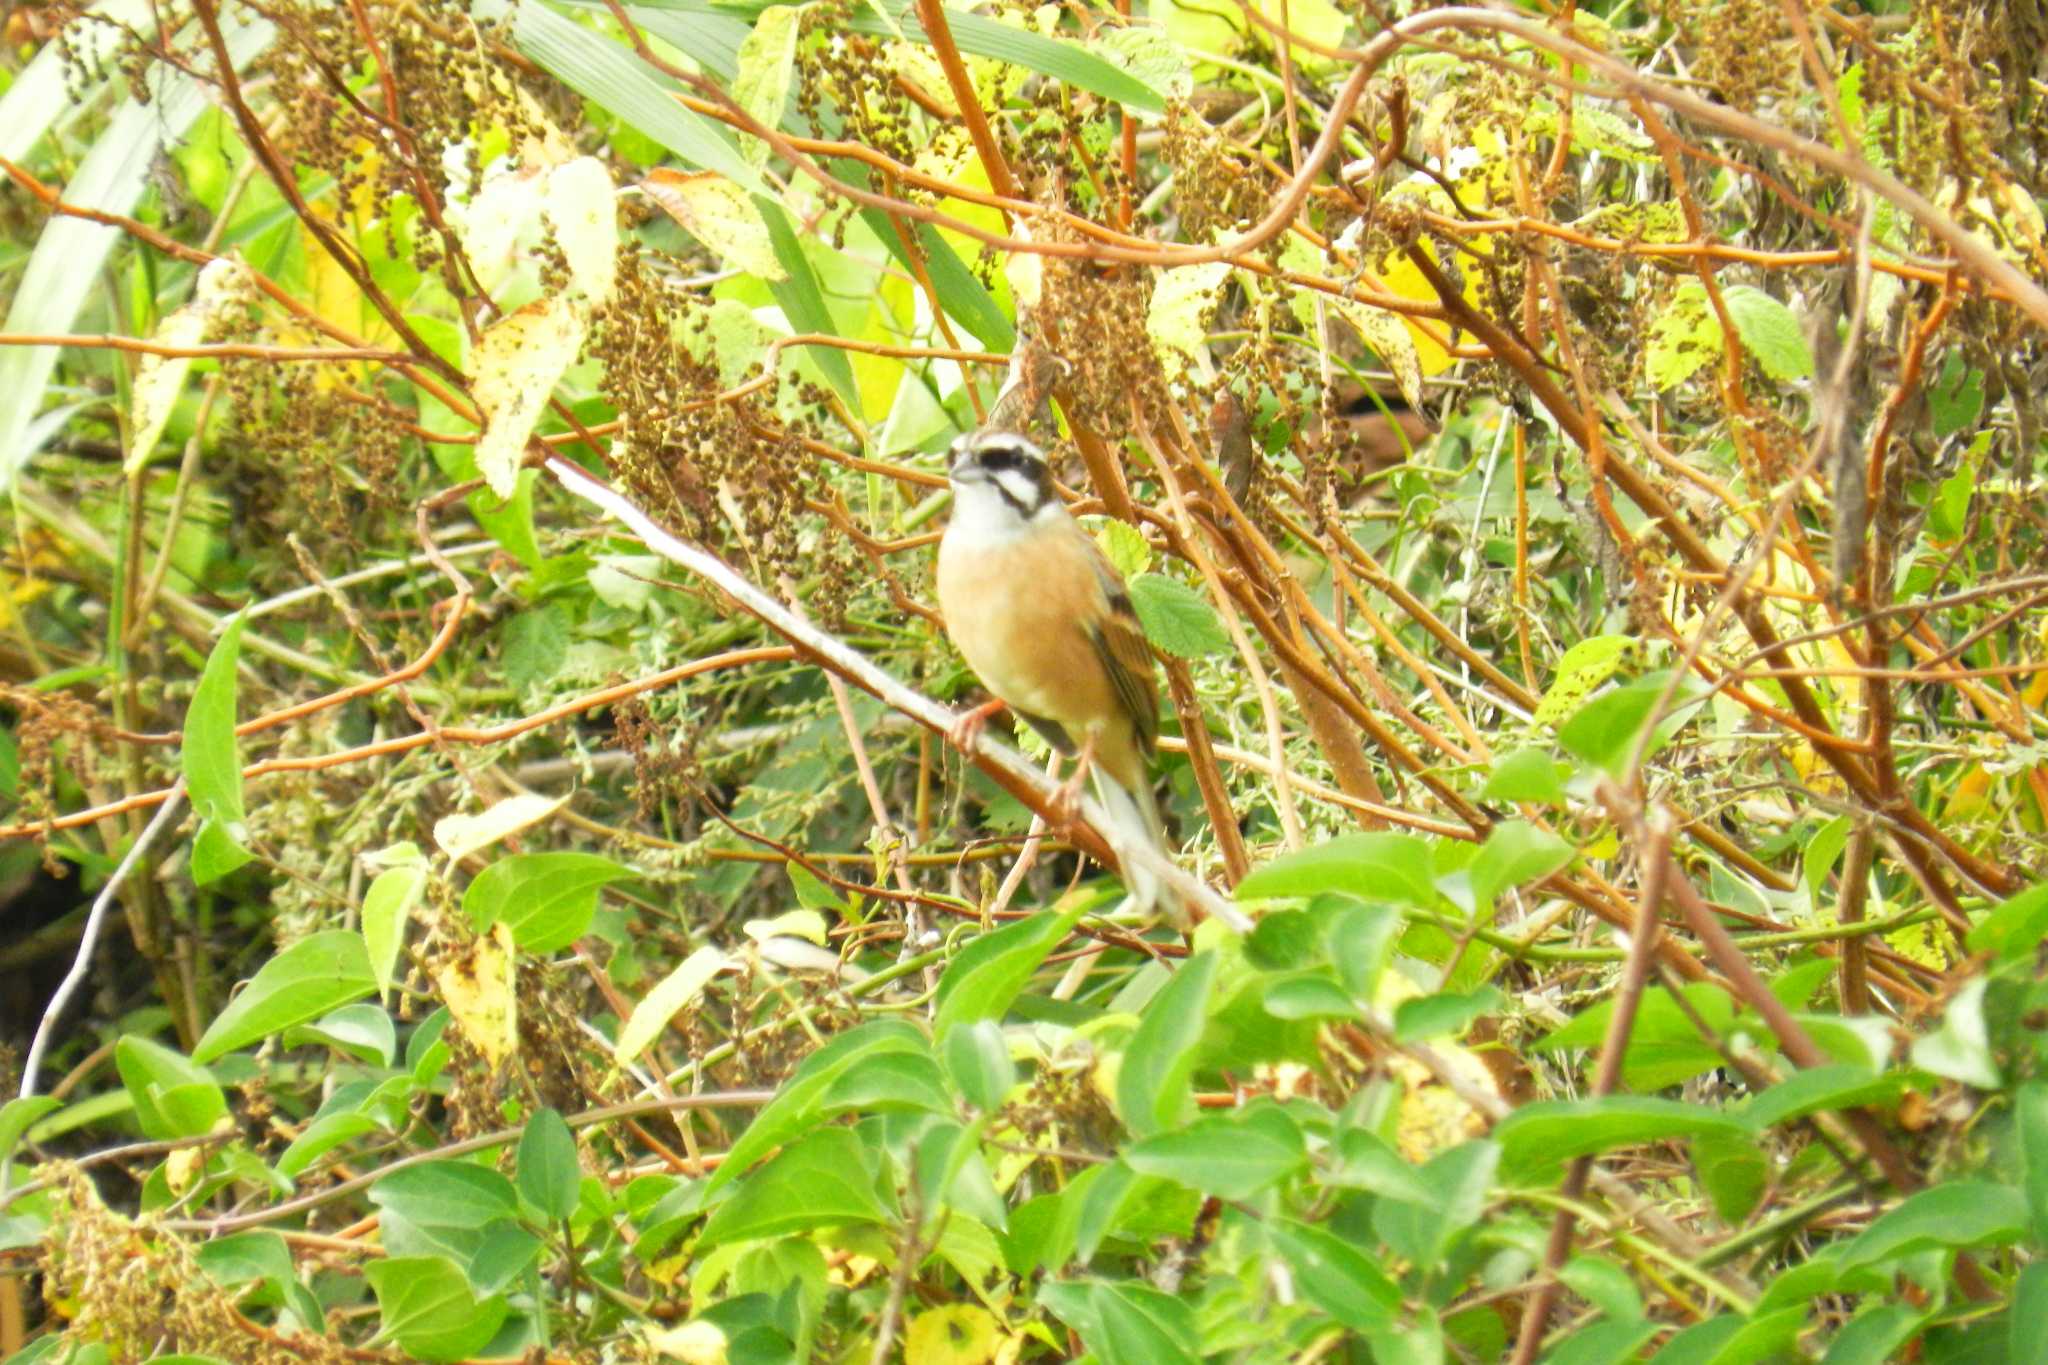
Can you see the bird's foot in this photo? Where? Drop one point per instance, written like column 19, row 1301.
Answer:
column 1066, row 802
column 968, row 727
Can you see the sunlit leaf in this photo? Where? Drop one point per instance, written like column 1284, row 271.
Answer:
column 306, row 980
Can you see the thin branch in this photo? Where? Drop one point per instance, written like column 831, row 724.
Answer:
column 89, row 941
column 1005, row 764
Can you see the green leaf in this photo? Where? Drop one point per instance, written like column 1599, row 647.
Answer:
column 705, row 30
column 66, row 266
column 458, row 1195
column 364, row 1032
column 1603, row 1284
column 607, row 74
column 1309, row 997
column 797, row 1107
column 216, row 852
column 961, row 294
column 174, row 1096
column 2028, row 1325
column 509, row 521
column 1583, row 668
column 428, row 1309
column 660, row 1005
column 1604, row 731
column 1515, row 852
column 822, row 1180
column 886, row 1081
column 1361, row 940
column 1458, row 1181
column 1603, row 1343
column 1842, row 1085
column 767, row 64
column 1154, row 1090
column 953, row 1177
column 1176, row 618
column 550, row 1178
column 1960, row 1049
column 2016, row 927
column 245, row 1256
column 1138, row 1325
column 1124, row 546
column 209, row 754
column 1446, row 1015
column 314, row 975
column 387, row 905
column 1948, row 512
column 1876, row 1336
column 1230, row 1155
column 1066, row 62
column 1956, row 399
column 1733, row 1171
column 534, row 645
column 1390, row 868
column 17, row 1116
column 1818, row 858
column 1363, row 1161
column 1336, row 1277
column 1958, row 1213
column 978, row 1059
column 802, row 299
column 1733, row 1340
column 213, row 763
column 1770, row 331
column 1538, row 1137
column 1529, row 775
column 547, row 898
column 2030, row 1119
column 1664, row 1047
column 982, row 981
column 320, row 1137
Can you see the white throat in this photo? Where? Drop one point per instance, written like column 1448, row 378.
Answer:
column 984, row 516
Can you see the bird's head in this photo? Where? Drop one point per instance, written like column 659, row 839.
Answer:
column 1000, row 481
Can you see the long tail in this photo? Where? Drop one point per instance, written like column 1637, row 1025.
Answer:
column 1137, row 815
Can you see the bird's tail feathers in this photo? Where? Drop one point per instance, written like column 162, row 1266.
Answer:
column 1136, row 815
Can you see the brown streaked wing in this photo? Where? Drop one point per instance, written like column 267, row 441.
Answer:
column 1120, row 641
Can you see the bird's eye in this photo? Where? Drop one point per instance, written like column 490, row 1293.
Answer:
column 1001, row 457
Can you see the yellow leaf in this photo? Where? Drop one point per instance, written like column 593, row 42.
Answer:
column 694, row 1343
column 719, row 214
column 1392, row 341
column 1970, row 796
column 461, row 835
column 806, row 924
column 661, row 1004
column 160, row 378
column 183, row 1168
column 516, row 366
column 581, row 207
column 477, row 986
column 960, row 1334
column 1182, row 297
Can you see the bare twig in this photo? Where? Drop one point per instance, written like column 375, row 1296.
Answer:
column 88, row 942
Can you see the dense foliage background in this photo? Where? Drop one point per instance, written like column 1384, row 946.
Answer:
column 484, row 874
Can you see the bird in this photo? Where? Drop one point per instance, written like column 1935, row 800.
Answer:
column 1047, row 624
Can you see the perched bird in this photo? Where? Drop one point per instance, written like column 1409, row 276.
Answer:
column 1046, row 623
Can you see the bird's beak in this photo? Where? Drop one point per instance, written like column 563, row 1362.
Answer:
column 961, row 469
